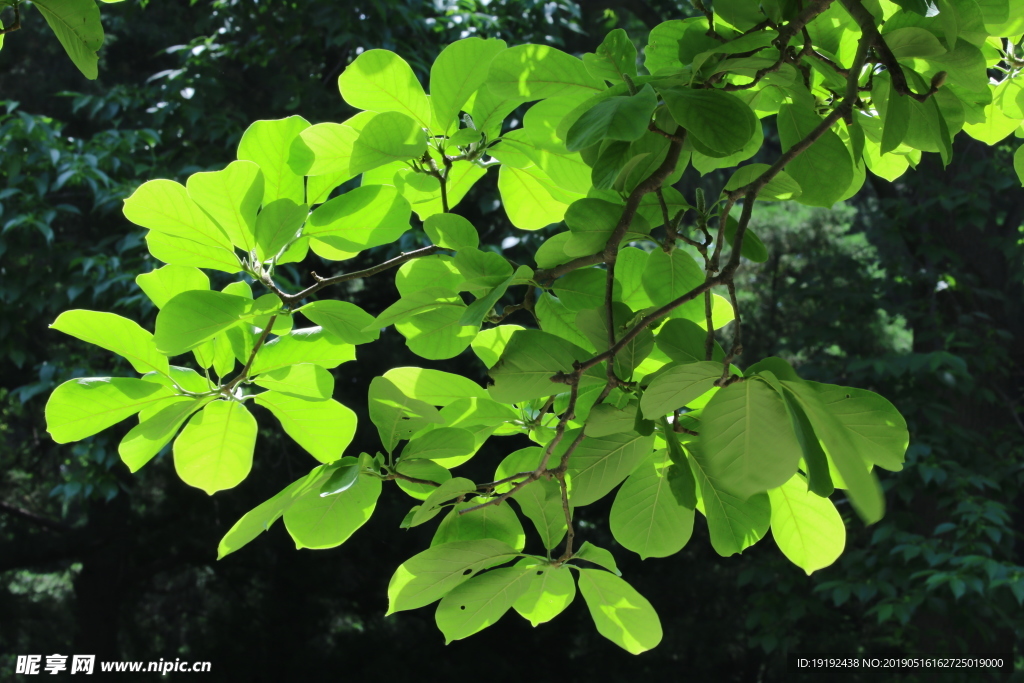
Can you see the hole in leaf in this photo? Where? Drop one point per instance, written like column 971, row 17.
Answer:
column 539, row 572
column 467, row 572
column 847, row 396
column 463, row 607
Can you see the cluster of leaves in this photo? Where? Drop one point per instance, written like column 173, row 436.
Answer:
column 624, row 381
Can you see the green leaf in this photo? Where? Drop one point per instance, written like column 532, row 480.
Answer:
column 163, row 284
column 180, row 251
column 366, row 217
column 114, row 333
column 344, row 476
column 433, row 573
column 494, row 521
column 186, row 378
column 620, row 614
column 535, row 72
column 77, row 26
column 779, row 188
column 269, row 144
column 451, row 231
column 156, row 430
column 429, row 271
column 476, row 412
column 397, row 416
column 550, row 591
column 614, row 59
column 753, row 248
column 305, row 345
column 434, row 386
column 581, row 289
column 894, row 110
column 164, row 206
column 669, row 276
column 605, row 419
column 807, row 527
column 415, row 303
column 437, row 334
column 330, row 146
column 482, row 269
column 214, row 451
column 837, row 442
column 680, row 476
column 448, row 490
column 457, row 73
column 386, row 138
column 1018, row 164
column 540, row 500
column 594, row 324
column 527, row 365
column 192, row 317
column 616, row 118
column 824, row 170
column 82, row 407
column 323, row 427
column 476, row 604
column 441, row 443
column 261, row 517
column 678, row 386
column 555, row 318
column 592, row 222
column 599, row 464
column 646, row 517
column 719, row 120
column 733, row 524
column 477, row 311
column 316, row 521
column 342, row 319
column 380, row 80
column 527, row 198
column 599, row 556
column 911, row 41
column 426, row 470
column 489, row 344
column 277, row 226
column 231, row 197
column 747, row 440
column 683, row 341
column 673, row 44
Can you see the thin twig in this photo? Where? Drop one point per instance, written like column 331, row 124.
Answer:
column 244, row 374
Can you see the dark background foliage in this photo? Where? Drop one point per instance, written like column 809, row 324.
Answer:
column 913, row 289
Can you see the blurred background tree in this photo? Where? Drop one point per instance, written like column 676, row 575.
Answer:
column 913, row 289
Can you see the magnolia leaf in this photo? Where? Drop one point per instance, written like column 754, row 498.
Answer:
column 620, row 614
column 214, row 451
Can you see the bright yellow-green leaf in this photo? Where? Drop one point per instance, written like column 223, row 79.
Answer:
column 231, row 197
column 214, row 451
column 381, row 81
column 433, row 573
column 306, row 345
column 476, row 604
column 269, row 144
column 599, row 464
column 323, row 427
column 164, row 206
column 620, row 614
column 82, row 407
column 156, row 430
column 163, row 284
column 807, row 527
column 550, row 591
column 316, row 521
column 457, row 73
column 112, row 332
